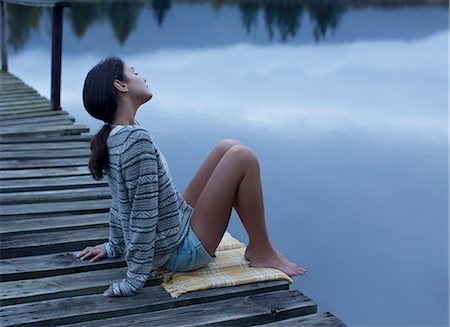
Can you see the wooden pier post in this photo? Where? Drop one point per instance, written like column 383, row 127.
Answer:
column 57, row 33
column 56, row 55
column 3, row 37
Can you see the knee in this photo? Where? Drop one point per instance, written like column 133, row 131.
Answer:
column 223, row 146
column 244, row 155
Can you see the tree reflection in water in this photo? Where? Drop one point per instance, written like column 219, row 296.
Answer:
column 281, row 17
column 22, row 21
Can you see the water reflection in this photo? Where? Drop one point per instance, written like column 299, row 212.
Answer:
column 122, row 16
column 160, row 8
column 326, row 16
column 22, row 21
column 296, row 92
column 282, row 19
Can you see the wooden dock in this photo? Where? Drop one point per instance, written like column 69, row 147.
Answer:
column 52, row 208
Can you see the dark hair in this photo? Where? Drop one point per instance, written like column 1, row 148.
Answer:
column 100, row 101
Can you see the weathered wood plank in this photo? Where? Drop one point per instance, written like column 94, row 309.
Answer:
column 59, row 241
column 51, row 265
column 243, row 311
column 11, row 177
column 44, row 138
column 7, row 88
column 17, row 111
column 39, row 163
column 62, row 119
column 44, row 146
column 37, row 153
column 57, row 183
column 14, row 84
column 13, row 94
column 56, row 287
column 24, row 102
column 92, row 307
column 43, row 123
column 62, row 129
column 12, row 98
column 52, row 224
column 8, row 82
column 315, row 320
column 55, row 196
column 23, row 98
column 12, row 111
column 13, row 89
column 34, row 114
column 57, row 208
column 8, row 97
column 9, row 79
column 11, row 84
column 27, row 118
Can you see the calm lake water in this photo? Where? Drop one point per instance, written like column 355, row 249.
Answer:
column 344, row 103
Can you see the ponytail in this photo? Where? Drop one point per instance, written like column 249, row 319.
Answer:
column 99, row 160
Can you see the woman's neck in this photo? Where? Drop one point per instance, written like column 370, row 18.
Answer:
column 125, row 113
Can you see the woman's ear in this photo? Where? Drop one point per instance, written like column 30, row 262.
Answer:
column 120, row 86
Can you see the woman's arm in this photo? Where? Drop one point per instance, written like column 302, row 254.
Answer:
column 115, row 245
column 140, row 174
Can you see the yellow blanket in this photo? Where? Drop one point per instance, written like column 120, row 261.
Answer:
column 229, row 269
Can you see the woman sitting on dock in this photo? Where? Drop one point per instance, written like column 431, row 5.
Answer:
column 158, row 226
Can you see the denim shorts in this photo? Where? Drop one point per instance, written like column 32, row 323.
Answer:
column 189, row 255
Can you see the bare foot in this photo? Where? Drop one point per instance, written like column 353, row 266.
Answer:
column 276, row 260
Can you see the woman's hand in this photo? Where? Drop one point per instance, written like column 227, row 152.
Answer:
column 94, row 252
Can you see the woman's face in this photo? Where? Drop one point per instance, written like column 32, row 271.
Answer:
column 137, row 86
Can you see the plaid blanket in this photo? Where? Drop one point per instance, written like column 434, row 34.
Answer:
column 229, row 269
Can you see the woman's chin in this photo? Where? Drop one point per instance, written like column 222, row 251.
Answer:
column 147, row 98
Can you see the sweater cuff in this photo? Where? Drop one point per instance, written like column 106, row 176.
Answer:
column 122, row 288
column 109, row 250
column 104, row 249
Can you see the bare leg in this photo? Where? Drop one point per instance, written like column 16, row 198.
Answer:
column 236, row 179
column 198, row 182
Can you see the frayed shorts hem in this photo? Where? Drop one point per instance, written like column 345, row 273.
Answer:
column 189, row 255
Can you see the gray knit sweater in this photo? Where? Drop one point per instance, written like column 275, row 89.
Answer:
column 148, row 216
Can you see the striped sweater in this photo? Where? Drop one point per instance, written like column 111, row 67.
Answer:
column 148, row 216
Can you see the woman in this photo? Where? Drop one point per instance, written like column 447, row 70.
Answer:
column 157, row 226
